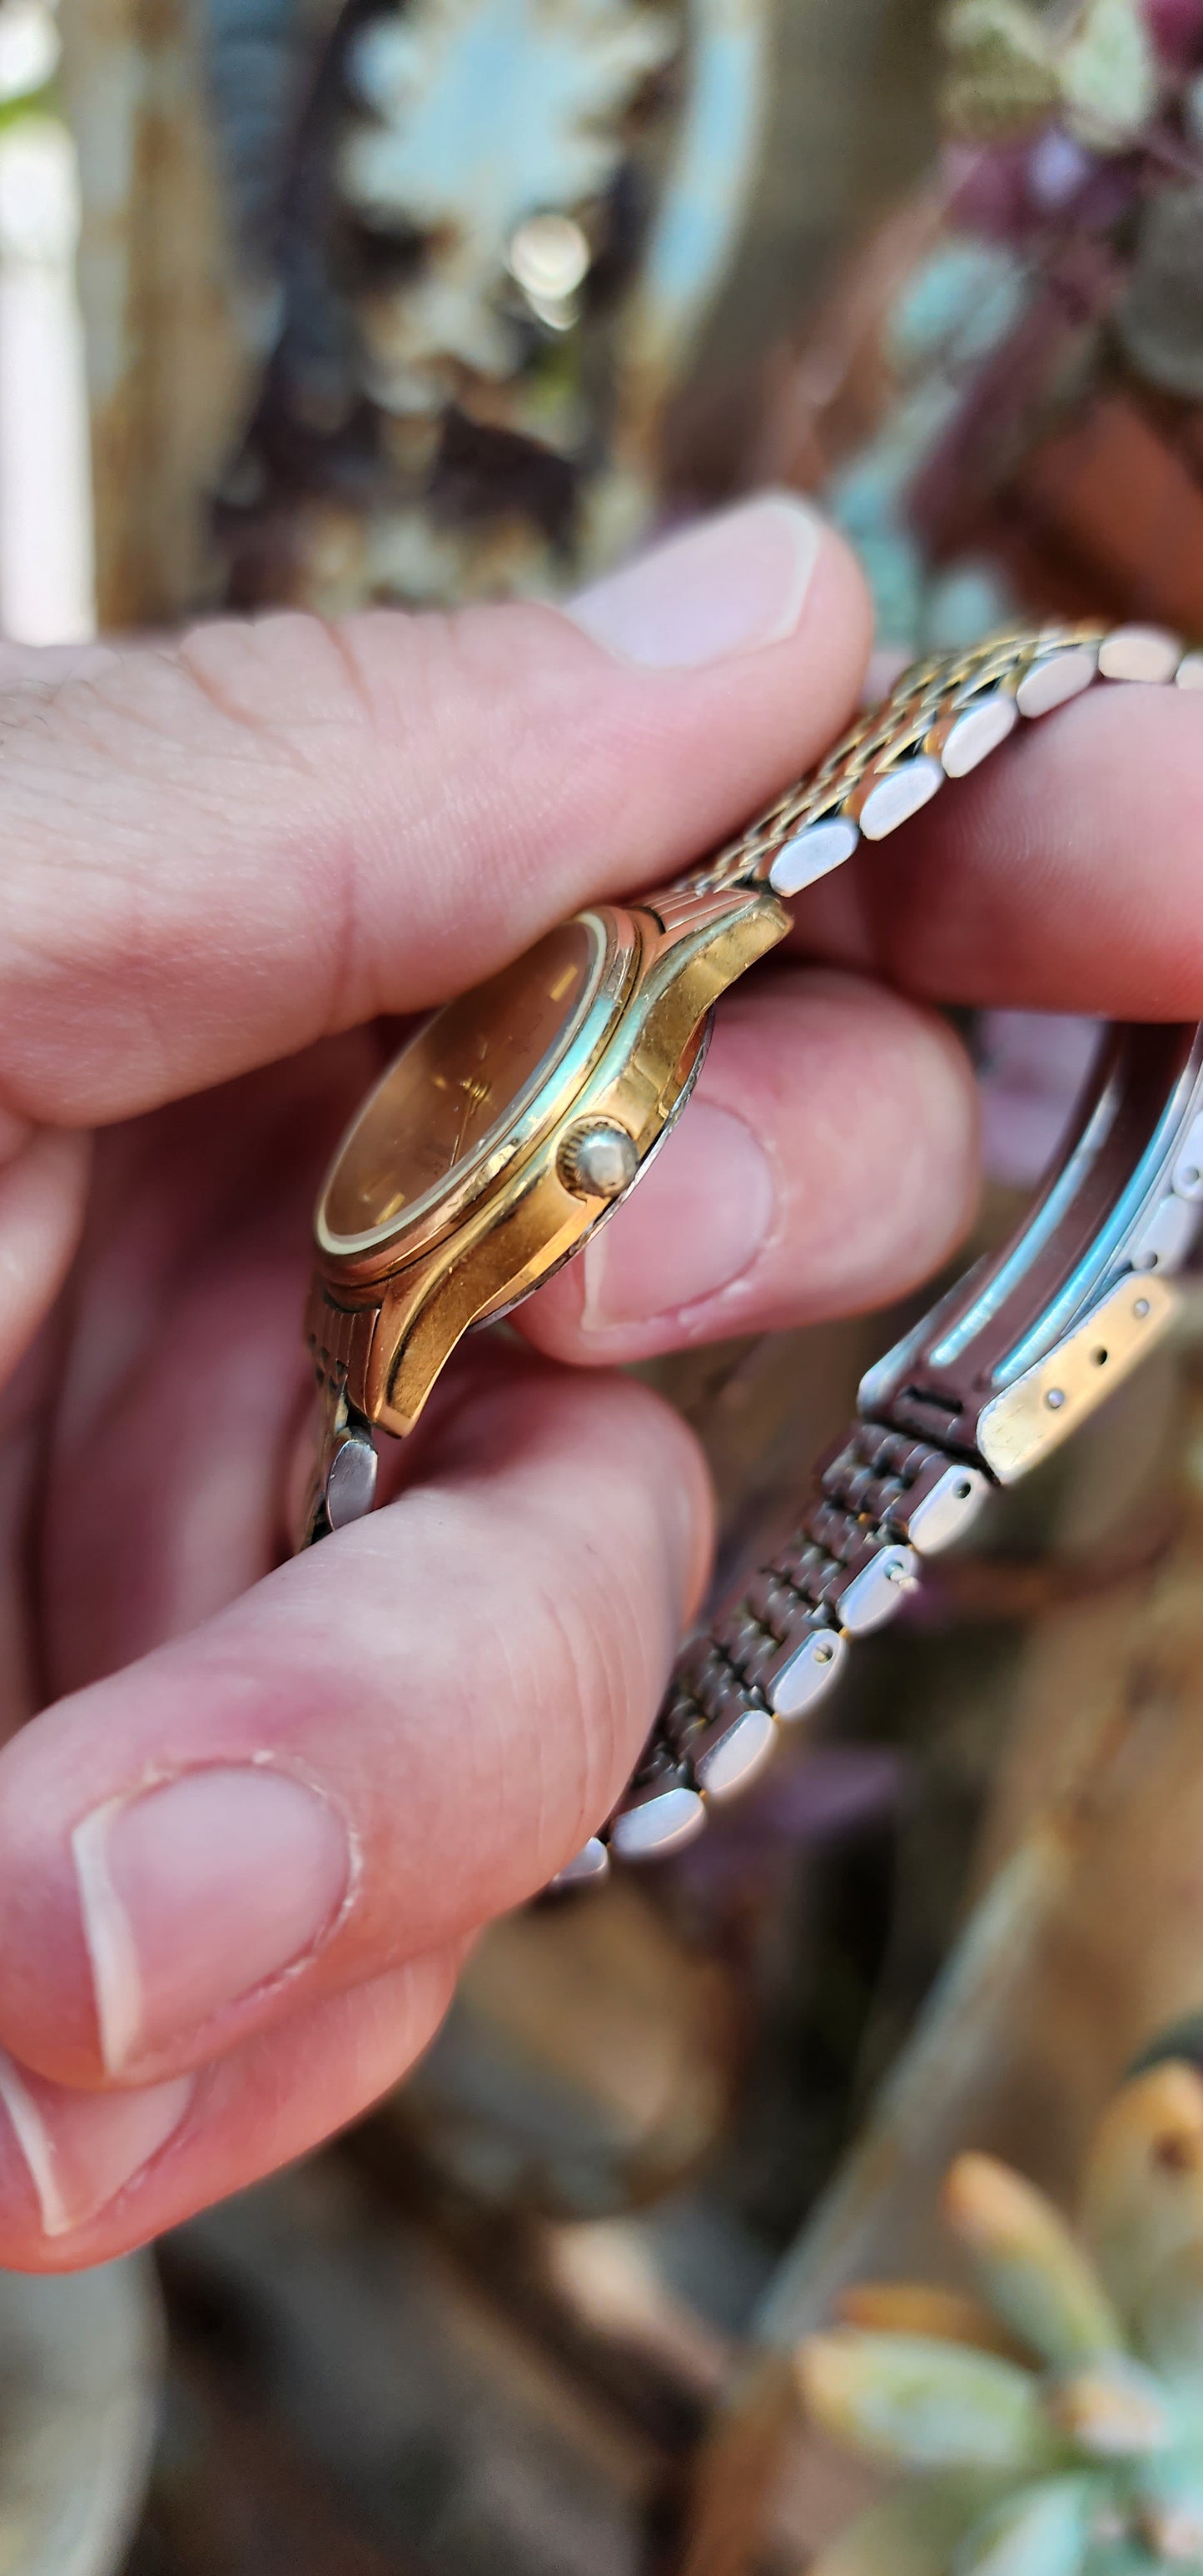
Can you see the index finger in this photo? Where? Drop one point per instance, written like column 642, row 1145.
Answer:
column 1066, row 874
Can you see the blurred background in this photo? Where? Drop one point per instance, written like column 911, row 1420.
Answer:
column 452, row 298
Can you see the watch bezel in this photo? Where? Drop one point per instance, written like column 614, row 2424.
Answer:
column 381, row 1251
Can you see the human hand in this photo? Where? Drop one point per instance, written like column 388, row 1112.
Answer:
column 265, row 1805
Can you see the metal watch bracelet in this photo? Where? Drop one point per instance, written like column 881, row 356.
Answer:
column 1021, row 1350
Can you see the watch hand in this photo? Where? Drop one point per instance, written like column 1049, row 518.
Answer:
column 463, row 1128
column 475, row 1096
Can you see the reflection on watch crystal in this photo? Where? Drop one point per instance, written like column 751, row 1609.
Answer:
column 460, row 1083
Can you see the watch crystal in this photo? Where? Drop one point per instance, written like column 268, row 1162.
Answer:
column 458, row 1088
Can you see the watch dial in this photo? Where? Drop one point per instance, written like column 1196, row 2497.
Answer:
column 458, row 1086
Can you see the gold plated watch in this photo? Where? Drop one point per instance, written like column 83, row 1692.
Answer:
column 511, row 1124
column 519, row 1116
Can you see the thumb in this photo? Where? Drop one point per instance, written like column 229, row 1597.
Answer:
column 219, row 849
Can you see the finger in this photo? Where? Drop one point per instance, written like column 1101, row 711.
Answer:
column 183, row 1384
column 86, row 2176
column 217, row 851
column 383, row 1744
column 31, row 666
column 827, row 1161
column 1066, row 874
column 834, row 1121
column 43, row 1184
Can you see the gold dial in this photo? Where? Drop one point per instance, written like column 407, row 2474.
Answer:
column 459, row 1088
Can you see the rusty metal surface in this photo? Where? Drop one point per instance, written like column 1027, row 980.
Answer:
column 291, row 398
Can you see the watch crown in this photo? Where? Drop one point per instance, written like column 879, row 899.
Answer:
column 597, row 1160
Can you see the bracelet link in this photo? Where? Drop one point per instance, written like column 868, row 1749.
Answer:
column 342, row 1487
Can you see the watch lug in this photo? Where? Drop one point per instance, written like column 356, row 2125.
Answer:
column 703, row 944
column 422, row 1318
column 693, row 920
column 425, row 1316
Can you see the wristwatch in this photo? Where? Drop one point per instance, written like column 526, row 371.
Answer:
column 519, row 1117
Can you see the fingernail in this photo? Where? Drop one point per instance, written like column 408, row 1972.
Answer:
column 696, row 1223
column 196, row 1893
column 82, row 2149
column 728, row 585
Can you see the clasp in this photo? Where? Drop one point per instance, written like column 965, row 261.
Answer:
column 1038, row 1334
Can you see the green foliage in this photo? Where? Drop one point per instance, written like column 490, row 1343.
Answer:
column 1014, row 68
column 1029, row 2265
column 1083, row 2456
column 1045, row 2530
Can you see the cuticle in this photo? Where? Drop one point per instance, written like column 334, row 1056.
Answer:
column 165, row 1776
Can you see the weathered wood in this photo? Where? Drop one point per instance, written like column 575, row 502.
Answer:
column 168, row 369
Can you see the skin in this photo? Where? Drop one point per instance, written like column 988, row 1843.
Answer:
column 222, row 862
